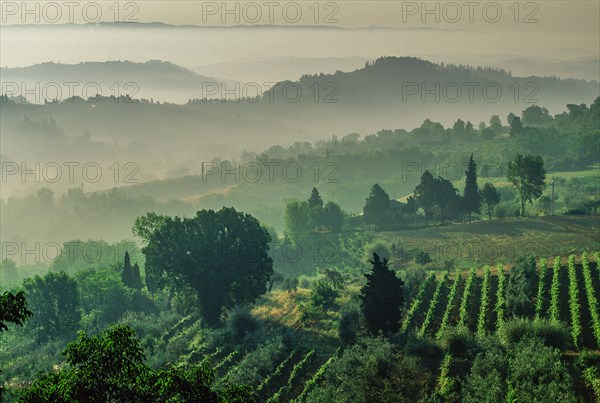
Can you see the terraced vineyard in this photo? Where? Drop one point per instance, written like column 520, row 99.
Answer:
column 567, row 291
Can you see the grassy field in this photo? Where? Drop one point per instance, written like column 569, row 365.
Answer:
column 593, row 170
column 498, row 241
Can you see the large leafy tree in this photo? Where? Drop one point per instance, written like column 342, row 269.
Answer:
column 527, row 175
column 496, row 123
column 437, row 196
column 13, row 309
column 490, row 197
column 221, row 255
column 110, row 367
column 55, row 300
column 535, row 115
column 469, row 130
column 425, row 193
column 377, row 206
column 447, row 198
column 382, row 298
column 332, row 217
column 458, row 128
column 298, row 220
column 516, row 126
column 510, row 117
column 471, row 197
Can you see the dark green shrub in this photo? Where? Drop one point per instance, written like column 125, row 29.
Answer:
column 241, row 323
column 310, row 313
column 551, row 334
column 423, row 347
column 422, row 257
column 486, row 381
column 536, row 373
column 258, row 363
column 323, row 294
column 348, row 325
column 458, row 341
column 371, row 371
column 521, row 287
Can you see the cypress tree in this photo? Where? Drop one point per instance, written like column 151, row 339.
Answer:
column 315, row 199
column 382, row 298
column 377, row 206
column 136, row 278
column 471, row 197
column 127, row 274
column 315, row 204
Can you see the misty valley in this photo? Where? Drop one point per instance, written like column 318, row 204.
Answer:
column 363, row 203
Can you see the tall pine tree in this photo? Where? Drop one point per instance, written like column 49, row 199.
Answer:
column 136, row 278
column 471, row 197
column 382, row 298
column 377, row 206
column 315, row 199
column 315, row 204
column 127, row 274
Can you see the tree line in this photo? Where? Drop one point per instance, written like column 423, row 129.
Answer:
column 439, row 199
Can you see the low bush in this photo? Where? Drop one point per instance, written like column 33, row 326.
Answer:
column 550, row 333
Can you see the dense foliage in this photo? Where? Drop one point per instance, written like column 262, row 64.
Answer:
column 200, row 314
column 110, row 367
column 222, row 256
column 382, row 298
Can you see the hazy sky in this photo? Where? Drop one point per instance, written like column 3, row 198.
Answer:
column 474, row 32
column 572, row 18
column 567, row 17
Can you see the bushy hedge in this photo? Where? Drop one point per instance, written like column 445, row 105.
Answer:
column 552, row 334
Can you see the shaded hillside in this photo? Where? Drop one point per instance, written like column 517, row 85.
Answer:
column 160, row 80
column 390, row 92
